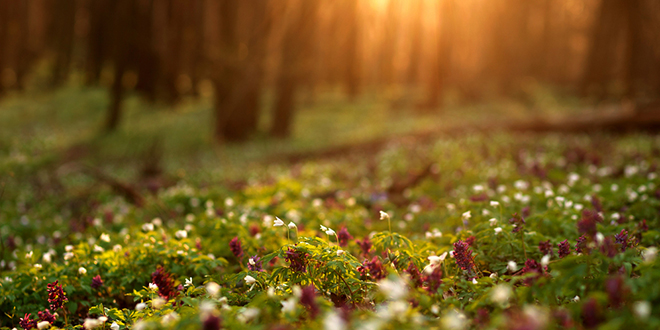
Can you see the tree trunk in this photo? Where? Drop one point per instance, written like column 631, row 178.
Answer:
column 438, row 81
column 601, row 54
column 353, row 61
column 295, row 63
column 63, row 19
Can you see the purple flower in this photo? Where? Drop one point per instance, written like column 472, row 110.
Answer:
column 56, row 296
column 622, row 238
column 415, row 275
column 433, row 280
column 297, row 260
column 608, row 247
column 373, row 268
column 254, row 264
column 365, row 245
column 27, row 322
column 587, row 225
column 564, row 248
column 517, row 222
column 308, row 299
column 212, row 322
column 97, row 282
column 616, row 291
column 343, row 235
column 532, row 267
column 463, row 255
column 546, row 248
column 581, row 244
column 235, row 247
column 591, row 314
column 46, row 316
column 164, row 282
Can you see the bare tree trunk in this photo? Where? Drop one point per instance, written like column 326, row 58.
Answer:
column 415, row 42
column 438, row 81
column 353, row 66
column 4, row 5
column 600, row 58
column 63, row 18
column 295, row 62
column 227, row 74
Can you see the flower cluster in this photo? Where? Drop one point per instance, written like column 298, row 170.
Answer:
column 235, row 247
column 254, row 264
column 308, row 299
column 546, row 248
column 27, row 322
column 587, row 225
column 564, row 248
column 46, row 316
column 344, row 236
column 373, row 268
column 56, row 296
column 97, row 282
column 517, row 221
column 622, row 238
column 163, row 280
column 365, row 245
column 297, row 260
column 463, row 255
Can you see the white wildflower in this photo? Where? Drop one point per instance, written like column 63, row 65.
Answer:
column 512, row 266
column 114, row 326
column 91, row 323
column 148, row 227
column 140, row 306
column 545, row 260
column 105, row 237
column 642, row 309
column 278, row 222
column 181, row 234
column 212, row 288
column 158, row 303
column 153, row 286
column 650, row 254
column 466, row 215
column 340, row 252
column 82, row 271
column 498, row 230
column 249, row 280
column 292, row 225
column 494, row 203
column 500, row 294
column 289, row 305
column 43, row 325
column 384, row 216
column 189, row 282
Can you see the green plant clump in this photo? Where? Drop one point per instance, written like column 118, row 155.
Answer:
column 463, row 233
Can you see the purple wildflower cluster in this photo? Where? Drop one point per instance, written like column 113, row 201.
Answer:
column 254, row 264
column 27, row 322
column 564, row 249
column 546, row 248
column 517, row 221
column 365, row 245
column 373, row 269
column 56, row 296
column 463, row 255
column 297, row 260
column 308, row 299
column 97, row 282
column 165, row 283
column 235, row 247
column 344, row 236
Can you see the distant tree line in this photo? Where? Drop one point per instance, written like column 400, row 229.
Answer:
column 168, row 49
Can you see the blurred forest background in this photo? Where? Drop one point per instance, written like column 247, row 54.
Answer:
column 416, row 53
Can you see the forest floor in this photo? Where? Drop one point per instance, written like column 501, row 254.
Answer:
column 545, row 230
